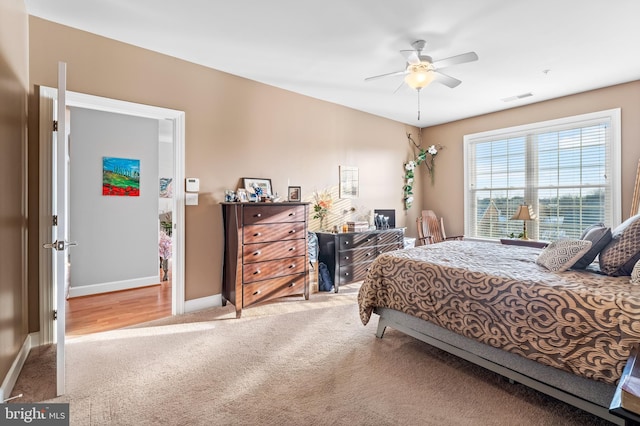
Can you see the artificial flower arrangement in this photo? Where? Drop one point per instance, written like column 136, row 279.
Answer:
column 425, row 156
column 322, row 206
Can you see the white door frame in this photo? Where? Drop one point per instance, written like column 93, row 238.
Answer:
column 82, row 100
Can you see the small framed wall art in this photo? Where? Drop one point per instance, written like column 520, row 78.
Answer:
column 294, row 193
column 349, row 182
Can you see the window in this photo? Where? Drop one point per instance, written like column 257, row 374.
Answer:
column 568, row 170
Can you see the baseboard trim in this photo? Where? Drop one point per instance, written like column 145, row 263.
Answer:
column 16, row 367
column 108, row 287
column 203, row 303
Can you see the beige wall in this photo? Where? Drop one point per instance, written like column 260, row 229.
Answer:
column 446, row 197
column 14, row 83
column 234, row 128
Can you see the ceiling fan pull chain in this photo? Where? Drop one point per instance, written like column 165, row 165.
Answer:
column 418, row 105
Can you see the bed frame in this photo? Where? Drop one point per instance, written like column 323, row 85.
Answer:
column 588, row 395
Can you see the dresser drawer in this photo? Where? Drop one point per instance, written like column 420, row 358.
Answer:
column 388, row 247
column 353, row 272
column 272, row 214
column 273, row 268
column 354, row 240
column 390, row 238
column 274, row 232
column 261, row 252
column 346, row 257
column 269, row 289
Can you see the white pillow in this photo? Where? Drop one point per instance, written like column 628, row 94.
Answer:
column 635, row 274
column 562, row 254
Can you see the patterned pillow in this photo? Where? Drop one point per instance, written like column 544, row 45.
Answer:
column 635, row 274
column 622, row 253
column 599, row 236
column 561, row 255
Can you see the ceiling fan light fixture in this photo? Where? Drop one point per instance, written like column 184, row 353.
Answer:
column 419, row 77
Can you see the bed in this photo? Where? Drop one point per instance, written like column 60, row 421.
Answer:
column 567, row 334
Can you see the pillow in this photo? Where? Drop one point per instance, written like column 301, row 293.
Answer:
column 562, row 254
column 589, row 228
column 599, row 236
column 635, row 274
column 623, row 251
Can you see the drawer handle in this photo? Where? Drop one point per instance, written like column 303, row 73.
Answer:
column 292, row 248
column 293, row 265
column 257, row 215
column 257, row 234
column 293, row 231
column 256, row 272
column 292, row 214
column 346, row 258
column 292, row 284
column 346, row 274
column 346, row 243
column 255, row 293
column 257, row 253
column 368, row 254
column 368, row 239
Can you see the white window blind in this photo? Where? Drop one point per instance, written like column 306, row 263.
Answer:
column 568, row 170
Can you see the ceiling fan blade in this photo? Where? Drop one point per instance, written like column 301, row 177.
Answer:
column 375, row 77
column 454, row 60
column 412, row 56
column 447, row 80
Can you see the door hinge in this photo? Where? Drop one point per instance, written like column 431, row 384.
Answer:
column 55, row 220
column 55, row 125
column 55, row 314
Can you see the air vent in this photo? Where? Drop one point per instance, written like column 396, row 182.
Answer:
column 515, row 98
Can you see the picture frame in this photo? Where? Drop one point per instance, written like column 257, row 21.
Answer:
column 263, row 183
column 294, row 193
column 242, row 196
column 349, row 182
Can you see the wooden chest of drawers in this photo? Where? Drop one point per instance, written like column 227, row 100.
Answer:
column 349, row 255
column 265, row 254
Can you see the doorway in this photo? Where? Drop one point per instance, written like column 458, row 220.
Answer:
column 176, row 120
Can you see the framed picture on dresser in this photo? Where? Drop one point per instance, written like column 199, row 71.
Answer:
column 250, row 183
column 294, row 193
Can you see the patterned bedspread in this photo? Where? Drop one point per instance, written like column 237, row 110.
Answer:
column 578, row 321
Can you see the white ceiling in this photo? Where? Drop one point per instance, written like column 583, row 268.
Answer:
column 325, row 49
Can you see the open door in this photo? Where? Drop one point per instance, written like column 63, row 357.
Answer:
column 58, row 224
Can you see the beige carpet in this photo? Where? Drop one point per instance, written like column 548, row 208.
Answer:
column 292, row 362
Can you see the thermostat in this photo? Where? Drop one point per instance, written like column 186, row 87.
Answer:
column 193, row 185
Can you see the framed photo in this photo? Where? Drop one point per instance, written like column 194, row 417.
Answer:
column 265, row 184
column 294, row 193
column 241, row 194
column 349, row 182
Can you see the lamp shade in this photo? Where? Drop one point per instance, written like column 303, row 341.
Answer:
column 524, row 212
column 419, row 77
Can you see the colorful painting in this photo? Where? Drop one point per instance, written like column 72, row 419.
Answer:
column 120, row 176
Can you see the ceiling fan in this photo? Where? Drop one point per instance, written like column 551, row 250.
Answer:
column 421, row 69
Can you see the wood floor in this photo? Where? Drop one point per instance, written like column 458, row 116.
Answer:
column 109, row 311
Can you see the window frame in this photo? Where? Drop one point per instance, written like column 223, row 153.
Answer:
column 612, row 116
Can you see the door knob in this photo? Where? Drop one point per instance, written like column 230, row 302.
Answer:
column 59, row 245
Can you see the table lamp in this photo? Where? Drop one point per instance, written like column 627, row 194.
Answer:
column 524, row 213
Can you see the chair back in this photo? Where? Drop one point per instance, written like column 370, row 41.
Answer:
column 431, row 229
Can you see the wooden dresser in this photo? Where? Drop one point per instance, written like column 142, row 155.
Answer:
column 265, row 254
column 348, row 255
